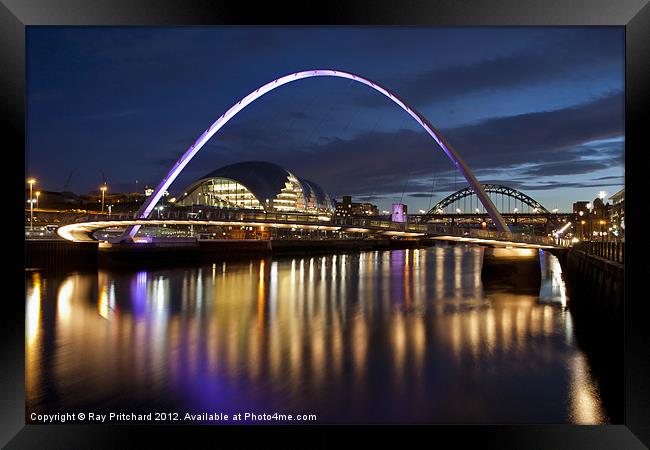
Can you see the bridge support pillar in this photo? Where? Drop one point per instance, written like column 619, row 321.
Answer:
column 515, row 270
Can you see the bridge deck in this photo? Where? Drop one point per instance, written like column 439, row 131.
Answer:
column 83, row 231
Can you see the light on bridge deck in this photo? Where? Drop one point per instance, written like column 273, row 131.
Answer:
column 511, row 252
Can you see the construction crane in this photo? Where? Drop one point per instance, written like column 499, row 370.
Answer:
column 67, row 182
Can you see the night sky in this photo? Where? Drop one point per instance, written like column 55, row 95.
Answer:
column 539, row 109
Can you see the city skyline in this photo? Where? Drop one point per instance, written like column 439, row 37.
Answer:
column 540, row 110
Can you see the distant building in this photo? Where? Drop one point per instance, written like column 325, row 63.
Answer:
column 600, row 209
column 594, row 222
column 617, row 213
column 581, row 218
column 399, row 212
column 68, row 201
column 56, row 200
column 348, row 208
column 580, row 209
column 257, row 185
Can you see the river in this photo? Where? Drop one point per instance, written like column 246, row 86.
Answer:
column 372, row 337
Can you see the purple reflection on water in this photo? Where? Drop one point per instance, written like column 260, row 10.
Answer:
column 397, row 261
column 139, row 294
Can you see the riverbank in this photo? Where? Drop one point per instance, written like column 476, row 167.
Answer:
column 59, row 254
column 595, row 287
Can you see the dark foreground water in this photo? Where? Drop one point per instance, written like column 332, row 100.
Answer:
column 389, row 336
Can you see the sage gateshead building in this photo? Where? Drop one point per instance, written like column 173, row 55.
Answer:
column 257, row 185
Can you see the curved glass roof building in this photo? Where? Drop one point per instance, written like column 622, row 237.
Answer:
column 257, row 185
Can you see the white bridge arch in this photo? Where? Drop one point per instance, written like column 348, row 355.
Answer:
column 153, row 199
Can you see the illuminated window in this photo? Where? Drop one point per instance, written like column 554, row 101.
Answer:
column 291, row 196
column 222, row 193
column 286, row 193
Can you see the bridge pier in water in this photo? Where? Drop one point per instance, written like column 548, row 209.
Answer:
column 515, row 269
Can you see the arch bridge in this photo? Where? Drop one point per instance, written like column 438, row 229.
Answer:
column 440, row 140
column 511, row 201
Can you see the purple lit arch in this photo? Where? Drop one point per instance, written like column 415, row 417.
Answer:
column 153, row 199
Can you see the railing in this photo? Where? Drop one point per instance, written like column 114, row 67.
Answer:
column 40, row 234
column 611, row 250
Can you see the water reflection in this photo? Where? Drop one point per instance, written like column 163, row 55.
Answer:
column 405, row 335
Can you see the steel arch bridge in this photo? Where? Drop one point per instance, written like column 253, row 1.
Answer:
column 459, row 163
column 495, row 189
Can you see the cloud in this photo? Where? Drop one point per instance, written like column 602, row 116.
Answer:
column 422, row 195
column 558, row 185
column 576, row 56
column 548, row 137
column 368, row 198
column 513, row 150
column 384, row 163
column 611, row 177
column 566, row 168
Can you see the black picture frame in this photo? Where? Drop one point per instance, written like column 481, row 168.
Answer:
column 16, row 15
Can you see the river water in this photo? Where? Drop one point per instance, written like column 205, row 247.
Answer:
column 384, row 336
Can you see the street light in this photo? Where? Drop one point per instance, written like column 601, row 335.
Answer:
column 38, row 194
column 103, row 189
column 31, row 182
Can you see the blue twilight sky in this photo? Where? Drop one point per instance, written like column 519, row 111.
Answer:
column 536, row 108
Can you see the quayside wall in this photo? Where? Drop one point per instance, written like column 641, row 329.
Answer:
column 59, row 254
column 65, row 255
column 595, row 285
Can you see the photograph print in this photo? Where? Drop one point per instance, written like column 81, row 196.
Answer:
column 324, row 225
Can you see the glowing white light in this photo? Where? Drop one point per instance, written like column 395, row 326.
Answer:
column 33, row 310
column 563, row 229
column 64, row 300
